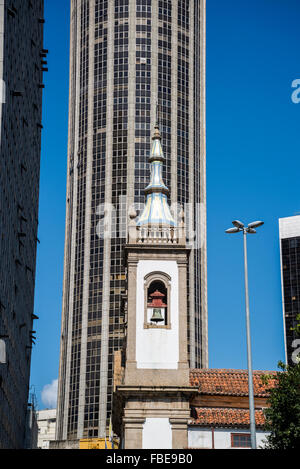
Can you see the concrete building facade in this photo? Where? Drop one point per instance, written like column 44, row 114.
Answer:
column 46, row 421
column 130, row 60
column 21, row 83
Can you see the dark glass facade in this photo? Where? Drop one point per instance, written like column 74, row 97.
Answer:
column 290, row 252
column 127, row 56
column 22, row 60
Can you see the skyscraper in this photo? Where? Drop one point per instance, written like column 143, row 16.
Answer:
column 128, row 57
column 289, row 234
column 21, row 82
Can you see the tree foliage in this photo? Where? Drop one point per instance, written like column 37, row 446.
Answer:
column 296, row 329
column 283, row 415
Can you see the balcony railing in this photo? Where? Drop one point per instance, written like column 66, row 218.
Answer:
column 156, row 235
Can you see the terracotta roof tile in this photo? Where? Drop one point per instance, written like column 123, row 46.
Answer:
column 230, row 382
column 225, row 417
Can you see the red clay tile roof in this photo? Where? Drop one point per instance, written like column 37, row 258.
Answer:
column 230, row 382
column 222, row 418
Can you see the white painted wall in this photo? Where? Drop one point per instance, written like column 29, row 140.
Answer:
column 157, row 434
column 289, row 227
column 199, row 437
column 46, row 421
column 157, row 348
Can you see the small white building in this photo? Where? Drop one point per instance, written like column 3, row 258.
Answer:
column 232, row 436
column 46, row 420
column 220, row 416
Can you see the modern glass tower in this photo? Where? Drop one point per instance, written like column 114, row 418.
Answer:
column 128, row 57
column 22, row 61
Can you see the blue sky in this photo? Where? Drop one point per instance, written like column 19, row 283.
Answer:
column 253, row 168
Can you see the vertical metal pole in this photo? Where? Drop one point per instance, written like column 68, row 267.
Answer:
column 250, row 376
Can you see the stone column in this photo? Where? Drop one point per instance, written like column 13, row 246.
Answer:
column 154, row 62
column 182, row 278
column 87, row 236
column 131, row 105
column 131, row 319
column 179, row 433
column 174, row 110
column 69, row 262
column 190, row 214
column 107, row 238
column 133, row 432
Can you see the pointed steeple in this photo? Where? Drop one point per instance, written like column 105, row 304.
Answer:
column 157, row 210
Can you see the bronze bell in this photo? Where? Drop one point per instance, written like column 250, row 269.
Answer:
column 157, row 317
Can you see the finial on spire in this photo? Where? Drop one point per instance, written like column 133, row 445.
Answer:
column 157, row 134
column 157, row 210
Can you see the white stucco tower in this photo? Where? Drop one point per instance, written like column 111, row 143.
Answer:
column 152, row 403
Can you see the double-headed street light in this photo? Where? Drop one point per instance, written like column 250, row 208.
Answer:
column 250, row 229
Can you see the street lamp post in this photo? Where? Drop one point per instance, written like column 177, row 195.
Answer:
column 250, row 229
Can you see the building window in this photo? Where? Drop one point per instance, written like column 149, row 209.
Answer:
column 157, row 293
column 240, row 440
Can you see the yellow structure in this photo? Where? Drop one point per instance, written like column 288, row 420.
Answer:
column 98, row 443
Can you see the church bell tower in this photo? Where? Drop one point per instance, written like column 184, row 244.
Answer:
column 153, row 399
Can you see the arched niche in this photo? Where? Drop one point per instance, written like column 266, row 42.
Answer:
column 157, row 282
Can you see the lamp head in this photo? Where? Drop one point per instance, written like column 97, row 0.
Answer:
column 238, row 224
column 233, row 230
column 255, row 224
